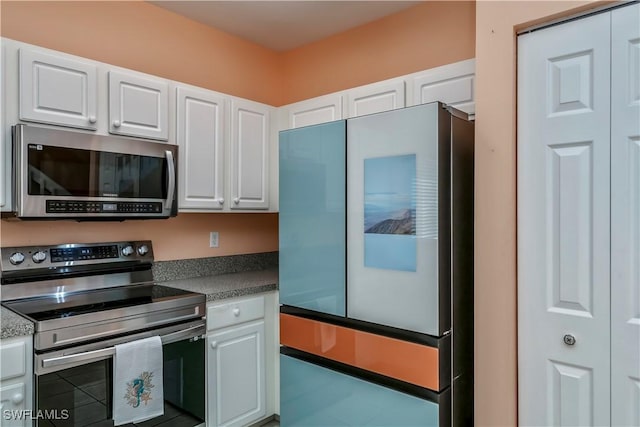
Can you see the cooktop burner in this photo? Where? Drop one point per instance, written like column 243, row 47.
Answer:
column 62, row 305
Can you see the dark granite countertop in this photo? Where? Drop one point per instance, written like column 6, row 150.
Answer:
column 223, row 286
column 13, row 325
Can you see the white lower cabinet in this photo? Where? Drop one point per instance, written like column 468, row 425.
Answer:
column 240, row 372
column 237, row 380
column 16, row 361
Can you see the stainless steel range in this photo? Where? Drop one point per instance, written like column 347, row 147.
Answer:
column 86, row 298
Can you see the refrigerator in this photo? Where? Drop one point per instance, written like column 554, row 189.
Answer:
column 376, row 270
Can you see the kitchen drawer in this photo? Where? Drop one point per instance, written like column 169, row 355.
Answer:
column 233, row 313
column 313, row 395
column 12, row 359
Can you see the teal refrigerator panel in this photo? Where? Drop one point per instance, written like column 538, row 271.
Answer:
column 311, row 395
column 312, row 226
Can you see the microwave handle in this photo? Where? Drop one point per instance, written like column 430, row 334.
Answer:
column 171, row 185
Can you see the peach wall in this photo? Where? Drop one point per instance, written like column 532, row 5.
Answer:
column 144, row 37
column 421, row 37
column 185, row 236
column 495, row 225
column 141, row 36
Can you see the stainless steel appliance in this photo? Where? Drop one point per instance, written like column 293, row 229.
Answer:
column 71, row 174
column 86, row 298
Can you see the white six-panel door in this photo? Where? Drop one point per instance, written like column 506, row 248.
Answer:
column 625, row 216
column 563, row 224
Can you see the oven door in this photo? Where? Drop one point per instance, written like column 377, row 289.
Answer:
column 73, row 387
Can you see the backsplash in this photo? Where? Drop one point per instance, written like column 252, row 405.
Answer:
column 198, row 267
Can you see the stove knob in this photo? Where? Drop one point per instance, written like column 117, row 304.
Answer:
column 127, row 250
column 16, row 258
column 143, row 250
column 39, row 256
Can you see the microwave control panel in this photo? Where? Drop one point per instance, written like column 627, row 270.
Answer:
column 73, row 206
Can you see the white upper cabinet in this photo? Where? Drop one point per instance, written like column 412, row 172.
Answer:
column 57, row 90
column 452, row 84
column 249, row 165
column 200, row 135
column 376, row 98
column 138, row 106
column 314, row 111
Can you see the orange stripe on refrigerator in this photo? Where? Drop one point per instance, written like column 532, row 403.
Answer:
column 403, row 360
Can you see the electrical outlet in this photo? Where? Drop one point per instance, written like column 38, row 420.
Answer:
column 213, row 239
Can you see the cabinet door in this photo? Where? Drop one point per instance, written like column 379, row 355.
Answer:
column 314, row 111
column 625, row 216
column 376, row 98
column 249, row 168
column 236, row 377
column 200, row 137
column 138, row 106
column 452, row 84
column 57, row 90
column 564, row 195
column 12, row 405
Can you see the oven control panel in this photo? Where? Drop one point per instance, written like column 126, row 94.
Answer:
column 83, row 253
column 27, row 257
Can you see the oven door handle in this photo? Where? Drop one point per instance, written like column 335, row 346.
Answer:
column 105, row 353
column 171, row 185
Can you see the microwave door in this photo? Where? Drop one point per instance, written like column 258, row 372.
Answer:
column 67, row 175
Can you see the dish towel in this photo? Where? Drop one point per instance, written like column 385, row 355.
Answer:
column 137, row 381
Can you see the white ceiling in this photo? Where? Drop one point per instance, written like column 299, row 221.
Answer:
column 284, row 25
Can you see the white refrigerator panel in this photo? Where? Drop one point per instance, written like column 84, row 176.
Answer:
column 392, row 219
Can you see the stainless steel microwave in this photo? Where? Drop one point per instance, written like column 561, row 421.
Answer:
column 60, row 174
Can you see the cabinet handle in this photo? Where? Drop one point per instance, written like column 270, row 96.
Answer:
column 116, row 123
column 221, row 200
column 236, row 312
column 17, row 398
column 236, row 200
column 92, row 119
column 214, row 344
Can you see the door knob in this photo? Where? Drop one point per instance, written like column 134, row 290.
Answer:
column 236, row 312
column 92, row 119
column 236, row 200
column 214, row 344
column 221, row 200
column 17, row 398
column 116, row 123
column 569, row 339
